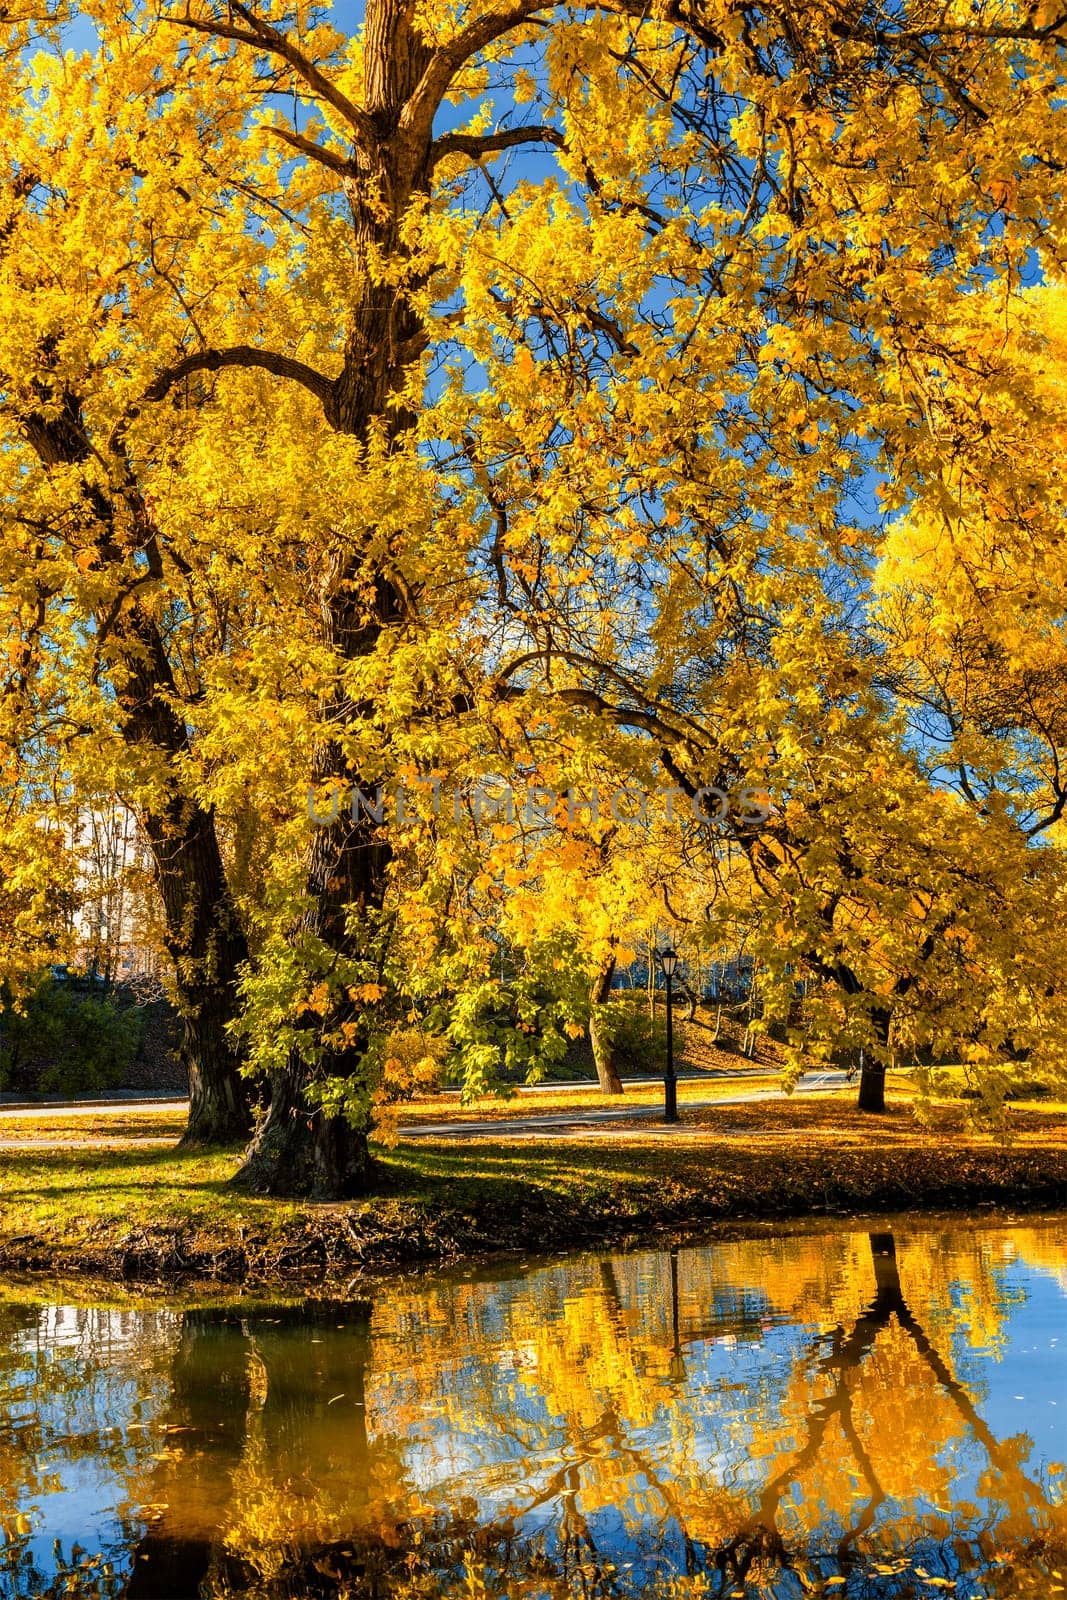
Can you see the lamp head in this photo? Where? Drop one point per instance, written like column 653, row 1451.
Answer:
column 668, row 960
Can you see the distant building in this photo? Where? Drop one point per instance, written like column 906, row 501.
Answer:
column 114, row 920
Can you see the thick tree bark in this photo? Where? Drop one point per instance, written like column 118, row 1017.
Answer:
column 207, row 947
column 203, row 937
column 607, row 1070
column 300, row 1150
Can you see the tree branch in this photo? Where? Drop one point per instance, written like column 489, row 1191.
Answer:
column 450, row 58
column 263, row 35
column 446, row 61
column 478, row 145
column 950, row 30
column 314, row 152
column 691, row 733
column 246, row 356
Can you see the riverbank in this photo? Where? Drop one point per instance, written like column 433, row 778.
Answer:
column 142, row 1214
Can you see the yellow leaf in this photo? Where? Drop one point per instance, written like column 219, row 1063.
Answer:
column 523, row 87
column 319, row 998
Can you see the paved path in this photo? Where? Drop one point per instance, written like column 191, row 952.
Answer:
column 92, row 1108
column 584, row 1120
column 114, row 1104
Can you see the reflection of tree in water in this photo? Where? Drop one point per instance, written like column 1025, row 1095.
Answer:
column 760, row 1536
column 839, row 1427
column 739, row 1417
column 207, row 1426
column 328, row 1468
column 77, row 1389
column 266, row 1408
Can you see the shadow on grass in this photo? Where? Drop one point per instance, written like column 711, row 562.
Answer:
column 114, row 1171
column 106, row 1155
column 780, row 1163
column 441, row 1170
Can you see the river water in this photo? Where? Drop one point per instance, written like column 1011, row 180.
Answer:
column 846, row 1411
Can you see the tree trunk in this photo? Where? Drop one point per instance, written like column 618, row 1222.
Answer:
column 204, row 940
column 607, row 1071
column 207, row 948
column 299, row 1150
column 203, row 936
column 872, row 1086
column 872, row 1073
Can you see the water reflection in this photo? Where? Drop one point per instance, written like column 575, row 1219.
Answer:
column 860, row 1414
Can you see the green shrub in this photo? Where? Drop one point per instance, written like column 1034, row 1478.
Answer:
column 638, row 1042
column 61, row 1040
column 504, row 1034
column 1010, row 1081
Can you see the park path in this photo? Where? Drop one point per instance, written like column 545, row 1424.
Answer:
column 90, row 1108
column 586, row 1121
column 591, row 1119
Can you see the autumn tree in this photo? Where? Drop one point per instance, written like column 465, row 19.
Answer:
column 969, row 614
column 99, row 676
column 583, row 430
column 970, row 579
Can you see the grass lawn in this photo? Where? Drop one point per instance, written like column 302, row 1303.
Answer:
column 142, row 1213
column 80, row 1129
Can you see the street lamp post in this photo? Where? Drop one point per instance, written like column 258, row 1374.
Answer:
column 669, row 962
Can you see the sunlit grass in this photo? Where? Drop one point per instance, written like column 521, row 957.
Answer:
column 449, row 1108
column 80, row 1129
column 442, row 1198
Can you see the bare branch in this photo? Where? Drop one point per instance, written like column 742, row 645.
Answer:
column 314, row 152
column 246, row 356
column 478, row 145
column 264, row 36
